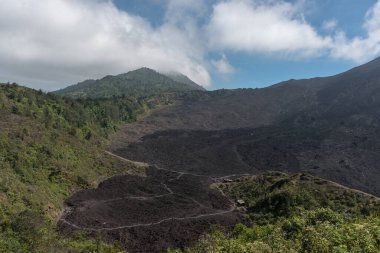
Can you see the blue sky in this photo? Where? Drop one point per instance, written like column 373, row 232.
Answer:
column 255, row 70
column 50, row 44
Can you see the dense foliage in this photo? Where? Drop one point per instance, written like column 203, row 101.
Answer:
column 51, row 147
column 317, row 231
column 297, row 213
column 273, row 195
column 141, row 82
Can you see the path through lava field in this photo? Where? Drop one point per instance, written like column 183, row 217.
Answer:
column 149, row 214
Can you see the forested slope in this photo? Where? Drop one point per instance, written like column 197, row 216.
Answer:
column 51, row 147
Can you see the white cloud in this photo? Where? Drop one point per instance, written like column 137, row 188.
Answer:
column 277, row 27
column 52, row 43
column 222, row 66
column 263, row 27
column 360, row 49
column 330, row 25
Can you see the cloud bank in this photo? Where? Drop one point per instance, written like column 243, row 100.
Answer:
column 52, row 43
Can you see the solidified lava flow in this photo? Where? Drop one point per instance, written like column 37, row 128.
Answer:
column 164, row 209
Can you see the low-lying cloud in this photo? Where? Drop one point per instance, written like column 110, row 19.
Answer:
column 222, row 66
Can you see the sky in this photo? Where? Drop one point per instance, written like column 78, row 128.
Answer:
column 50, row 44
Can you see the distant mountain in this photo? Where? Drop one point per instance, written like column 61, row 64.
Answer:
column 140, row 82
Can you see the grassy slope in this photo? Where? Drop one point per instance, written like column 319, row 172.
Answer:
column 51, row 147
column 298, row 213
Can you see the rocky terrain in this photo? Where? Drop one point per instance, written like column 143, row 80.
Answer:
column 150, row 214
column 325, row 126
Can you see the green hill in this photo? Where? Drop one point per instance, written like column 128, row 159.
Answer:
column 296, row 213
column 51, row 147
column 141, row 82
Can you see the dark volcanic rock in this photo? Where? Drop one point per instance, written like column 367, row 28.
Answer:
column 164, row 209
column 325, row 126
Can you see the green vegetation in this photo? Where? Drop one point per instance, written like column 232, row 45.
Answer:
column 297, row 213
column 318, row 231
column 141, row 82
column 274, row 195
column 51, row 147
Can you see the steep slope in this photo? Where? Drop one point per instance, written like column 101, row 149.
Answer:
column 141, row 82
column 325, row 126
column 224, row 109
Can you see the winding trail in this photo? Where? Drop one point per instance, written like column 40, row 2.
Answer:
column 139, row 164
column 232, row 208
column 170, row 192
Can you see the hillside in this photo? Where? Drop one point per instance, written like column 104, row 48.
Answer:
column 296, row 213
column 51, row 147
column 325, row 126
column 141, row 82
column 196, row 158
column 179, row 207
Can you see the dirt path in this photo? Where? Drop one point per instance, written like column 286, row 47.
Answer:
column 170, row 192
column 138, row 164
column 232, row 208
